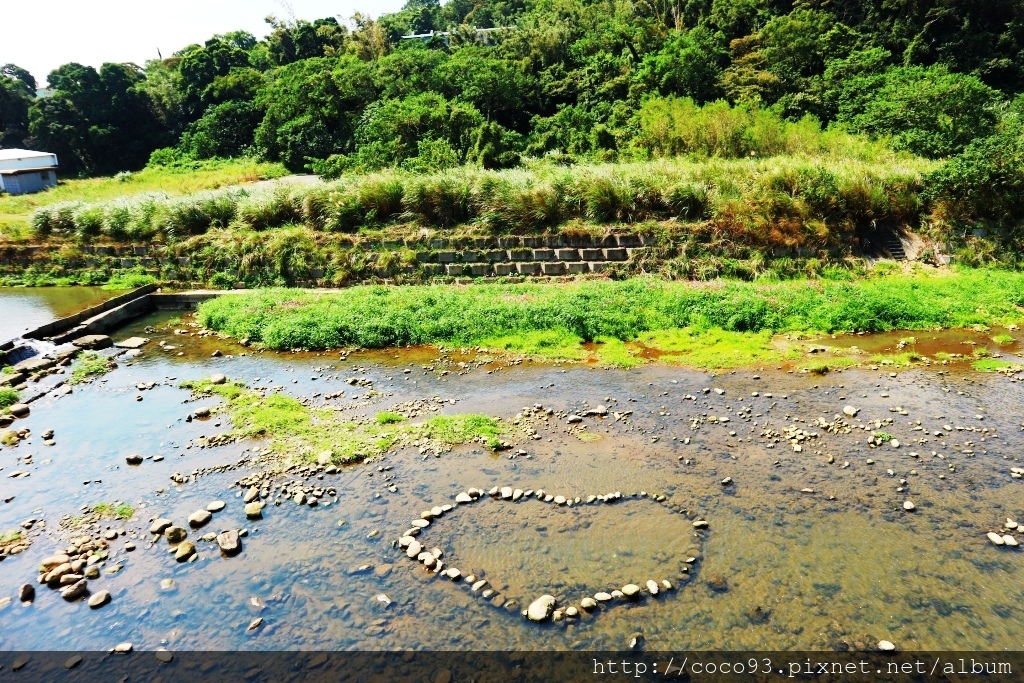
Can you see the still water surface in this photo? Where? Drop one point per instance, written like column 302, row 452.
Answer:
column 778, row 569
column 25, row 308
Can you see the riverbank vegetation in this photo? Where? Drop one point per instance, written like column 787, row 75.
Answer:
column 8, row 397
column 152, row 182
column 90, row 365
column 786, row 200
column 719, row 324
column 300, row 433
column 822, row 95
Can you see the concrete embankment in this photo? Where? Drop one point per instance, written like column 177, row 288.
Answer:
column 38, row 351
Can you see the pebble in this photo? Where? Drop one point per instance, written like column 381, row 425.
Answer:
column 98, row 600
column 164, row 657
column 1010, row 541
column 175, row 534
column 27, row 593
column 160, row 525
column 631, row 590
column 588, row 603
column 229, row 542
column 199, row 518
column 886, row 646
column 541, row 608
column 652, row 587
column 909, row 506
column 218, row 378
column 254, row 510
column 184, row 551
column 602, row 597
column 75, row 591
column 215, row 506
column 995, row 538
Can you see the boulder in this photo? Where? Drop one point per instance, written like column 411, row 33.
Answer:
column 19, row 410
column 218, row 378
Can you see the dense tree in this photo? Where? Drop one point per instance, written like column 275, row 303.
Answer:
column 313, row 107
column 97, row 122
column 598, row 79
column 17, row 88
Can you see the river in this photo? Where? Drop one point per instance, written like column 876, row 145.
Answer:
column 800, row 553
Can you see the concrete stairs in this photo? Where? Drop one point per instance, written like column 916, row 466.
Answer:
column 892, row 244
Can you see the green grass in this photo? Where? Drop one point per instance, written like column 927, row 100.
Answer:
column 16, row 211
column 123, row 281
column 8, row 397
column 299, row 433
column 709, row 325
column 113, row 511
column 993, row 365
column 1003, row 339
column 456, row 429
column 89, row 365
column 9, row 537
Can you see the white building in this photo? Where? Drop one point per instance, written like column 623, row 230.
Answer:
column 23, row 171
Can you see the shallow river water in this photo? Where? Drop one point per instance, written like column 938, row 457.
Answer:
column 839, row 565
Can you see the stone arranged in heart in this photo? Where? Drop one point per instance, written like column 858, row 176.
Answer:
column 546, row 606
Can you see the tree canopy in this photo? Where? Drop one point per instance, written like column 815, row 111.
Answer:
column 490, row 82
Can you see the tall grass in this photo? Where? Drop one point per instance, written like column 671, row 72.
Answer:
column 792, row 200
column 129, row 189
column 379, row 316
column 677, row 126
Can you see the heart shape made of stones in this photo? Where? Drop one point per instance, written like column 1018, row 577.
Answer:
column 545, row 607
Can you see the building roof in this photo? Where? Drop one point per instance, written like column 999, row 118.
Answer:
column 17, row 154
column 20, row 171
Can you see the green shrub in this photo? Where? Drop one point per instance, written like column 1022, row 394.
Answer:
column 8, row 397
column 387, row 418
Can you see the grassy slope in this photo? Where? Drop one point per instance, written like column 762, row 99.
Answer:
column 719, row 324
column 15, row 211
column 784, row 200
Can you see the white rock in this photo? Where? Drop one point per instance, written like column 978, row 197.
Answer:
column 886, row 646
column 995, row 538
column 541, row 608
